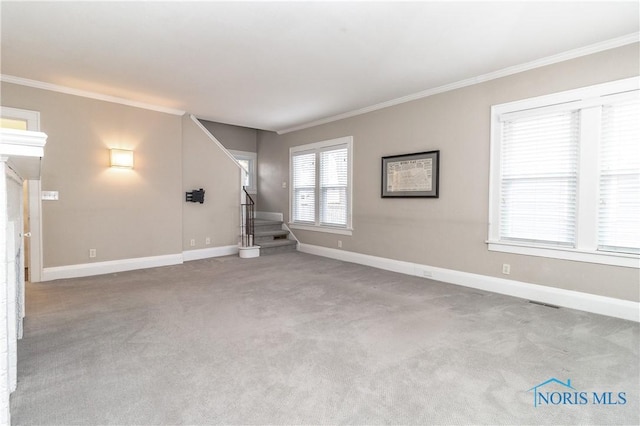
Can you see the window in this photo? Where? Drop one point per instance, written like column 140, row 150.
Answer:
column 619, row 179
column 565, row 175
column 321, row 186
column 19, row 119
column 539, row 174
column 247, row 161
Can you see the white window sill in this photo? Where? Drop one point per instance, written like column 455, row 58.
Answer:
column 317, row 228
column 604, row 258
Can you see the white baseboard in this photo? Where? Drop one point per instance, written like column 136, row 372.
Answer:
column 109, row 267
column 209, row 252
column 291, row 236
column 602, row 305
column 270, row 216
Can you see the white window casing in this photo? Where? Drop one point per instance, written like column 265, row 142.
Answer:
column 565, row 175
column 248, row 161
column 30, row 118
column 321, row 186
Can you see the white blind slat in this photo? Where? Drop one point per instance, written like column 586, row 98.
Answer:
column 333, row 186
column 539, row 163
column 619, row 208
column 304, row 187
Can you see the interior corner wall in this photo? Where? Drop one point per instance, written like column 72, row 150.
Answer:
column 273, row 171
column 235, row 138
column 123, row 214
column 448, row 232
column 206, row 166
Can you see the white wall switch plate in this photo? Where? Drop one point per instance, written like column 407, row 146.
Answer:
column 50, row 195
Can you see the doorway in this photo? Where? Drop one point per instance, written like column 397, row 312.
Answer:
column 20, row 119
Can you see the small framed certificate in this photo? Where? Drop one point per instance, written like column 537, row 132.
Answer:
column 411, row 175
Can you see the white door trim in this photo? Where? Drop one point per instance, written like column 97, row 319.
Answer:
column 35, row 196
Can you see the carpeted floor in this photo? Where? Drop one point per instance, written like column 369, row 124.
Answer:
column 299, row 339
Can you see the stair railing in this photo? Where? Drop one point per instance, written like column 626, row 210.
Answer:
column 247, row 220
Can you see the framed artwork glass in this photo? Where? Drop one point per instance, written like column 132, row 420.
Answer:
column 411, row 175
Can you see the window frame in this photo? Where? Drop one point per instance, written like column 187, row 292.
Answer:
column 317, row 148
column 252, row 158
column 31, row 118
column 589, row 101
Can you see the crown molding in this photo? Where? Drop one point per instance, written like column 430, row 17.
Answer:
column 87, row 94
column 549, row 60
column 571, row 54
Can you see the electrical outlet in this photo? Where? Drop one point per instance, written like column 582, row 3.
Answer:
column 339, row 243
column 92, row 253
column 284, row 185
column 192, row 243
column 427, row 274
column 207, row 240
column 506, row 268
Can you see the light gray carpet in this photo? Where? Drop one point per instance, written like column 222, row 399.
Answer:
column 299, row 339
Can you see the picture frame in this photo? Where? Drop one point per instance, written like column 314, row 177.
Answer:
column 414, row 175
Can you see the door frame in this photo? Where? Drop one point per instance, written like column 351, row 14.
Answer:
column 34, row 188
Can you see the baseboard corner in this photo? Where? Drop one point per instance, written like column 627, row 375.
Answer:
column 209, row 252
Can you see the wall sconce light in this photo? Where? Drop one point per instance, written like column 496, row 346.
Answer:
column 121, row 158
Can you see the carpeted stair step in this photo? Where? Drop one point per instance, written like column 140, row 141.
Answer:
column 277, row 246
column 269, row 235
column 266, row 236
column 261, row 225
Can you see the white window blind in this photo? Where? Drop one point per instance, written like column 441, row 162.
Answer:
column 539, row 178
column 321, row 186
column 565, row 175
column 333, row 187
column 304, row 187
column 619, row 208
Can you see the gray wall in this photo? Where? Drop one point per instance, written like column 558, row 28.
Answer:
column 449, row 232
column 233, row 137
column 126, row 214
column 206, row 166
column 121, row 213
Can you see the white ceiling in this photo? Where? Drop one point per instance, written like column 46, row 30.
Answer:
column 275, row 65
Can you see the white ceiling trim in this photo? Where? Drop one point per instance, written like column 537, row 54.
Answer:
column 565, row 56
column 86, row 94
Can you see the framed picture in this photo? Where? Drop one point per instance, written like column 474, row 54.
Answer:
column 411, row 175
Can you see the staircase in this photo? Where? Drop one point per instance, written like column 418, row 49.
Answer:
column 271, row 238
